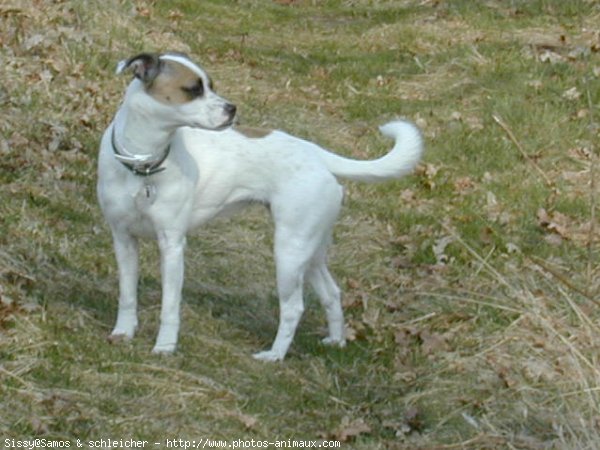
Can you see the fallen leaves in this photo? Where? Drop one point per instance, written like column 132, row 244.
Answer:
column 439, row 249
column 411, row 421
column 560, row 227
column 427, row 341
column 464, row 185
column 53, row 105
column 572, row 94
column 556, row 223
column 7, row 307
column 495, row 211
column 538, row 370
column 349, row 429
column 428, row 173
column 427, row 360
column 558, row 47
column 249, row 422
column 14, row 280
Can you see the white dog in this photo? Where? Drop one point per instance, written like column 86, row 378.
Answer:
column 171, row 160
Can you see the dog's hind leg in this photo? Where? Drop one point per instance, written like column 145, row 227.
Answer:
column 329, row 294
column 126, row 251
column 304, row 217
column 291, row 262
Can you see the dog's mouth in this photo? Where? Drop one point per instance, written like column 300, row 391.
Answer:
column 224, row 126
column 227, row 124
column 230, row 109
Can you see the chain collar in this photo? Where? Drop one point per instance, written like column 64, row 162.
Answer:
column 140, row 165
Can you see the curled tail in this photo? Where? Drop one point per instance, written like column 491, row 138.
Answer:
column 400, row 161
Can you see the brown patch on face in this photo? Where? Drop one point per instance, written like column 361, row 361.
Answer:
column 175, row 84
column 252, row 132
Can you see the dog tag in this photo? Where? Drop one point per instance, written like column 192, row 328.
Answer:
column 146, row 196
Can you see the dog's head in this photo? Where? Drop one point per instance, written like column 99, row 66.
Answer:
column 171, row 88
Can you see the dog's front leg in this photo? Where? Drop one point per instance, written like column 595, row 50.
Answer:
column 126, row 251
column 172, row 247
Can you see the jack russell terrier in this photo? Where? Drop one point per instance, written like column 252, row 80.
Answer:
column 171, row 160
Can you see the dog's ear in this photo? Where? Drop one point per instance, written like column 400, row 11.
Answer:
column 145, row 66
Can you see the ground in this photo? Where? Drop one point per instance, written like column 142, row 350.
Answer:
column 470, row 288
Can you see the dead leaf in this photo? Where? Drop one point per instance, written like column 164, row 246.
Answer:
column 486, row 235
column 401, row 428
column 408, row 196
column 439, row 248
column 248, row 421
column 538, row 370
column 143, row 11
column 553, row 239
column 495, row 210
column 175, row 15
column 413, row 417
column 404, row 342
column 411, row 421
column 420, row 122
column 428, row 172
column 551, row 57
column 475, row 123
column 116, row 338
column 463, row 185
column 582, row 152
column 432, row 342
column 556, row 222
column 350, row 429
column 371, row 318
column 33, row 41
column 572, row 94
column 350, row 333
column 502, row 368
column 578, row 52
column 512, row 248
column 456, row 115
column 39, row 425
column 431, row 171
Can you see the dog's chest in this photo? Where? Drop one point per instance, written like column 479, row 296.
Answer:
column 135, row 193
column 145, row 197
column 135, row 203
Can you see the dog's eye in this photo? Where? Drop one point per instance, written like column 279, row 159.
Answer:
column 194, row 91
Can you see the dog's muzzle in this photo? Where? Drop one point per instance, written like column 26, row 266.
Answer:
column 230, row 109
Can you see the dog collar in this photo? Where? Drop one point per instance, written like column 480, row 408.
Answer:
column 140, row 165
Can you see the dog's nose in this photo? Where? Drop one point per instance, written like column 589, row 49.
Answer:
column 230, row 109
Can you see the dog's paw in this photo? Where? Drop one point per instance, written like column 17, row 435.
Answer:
column 333, row 342
column 268, row 355
column 116, row 337
column 163, row 349
column 124, row 329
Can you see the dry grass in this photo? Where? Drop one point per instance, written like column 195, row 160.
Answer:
column 471, row 288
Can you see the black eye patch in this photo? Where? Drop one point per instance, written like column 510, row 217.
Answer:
column 195, row 91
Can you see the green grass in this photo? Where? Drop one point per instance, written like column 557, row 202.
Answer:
column 472, row 323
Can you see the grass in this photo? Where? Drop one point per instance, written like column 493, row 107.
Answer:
column 472, row 316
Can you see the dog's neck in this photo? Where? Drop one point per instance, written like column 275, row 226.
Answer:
column 136, row 134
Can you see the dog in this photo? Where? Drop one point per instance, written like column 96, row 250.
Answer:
column 172, row 159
